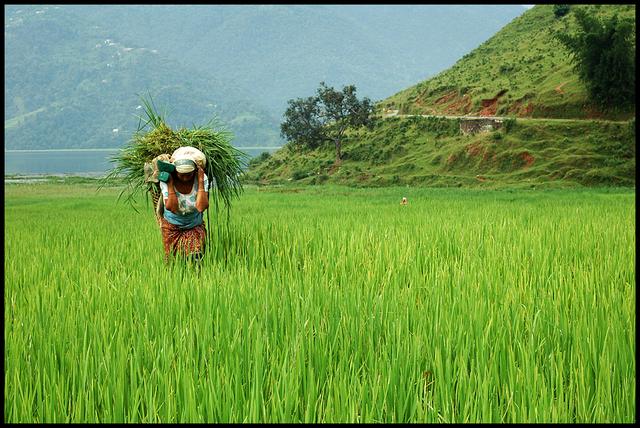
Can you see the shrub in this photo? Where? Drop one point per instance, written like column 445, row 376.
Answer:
column 560, row 10
column 509, row 123
column 262, row 157
column 299, row 174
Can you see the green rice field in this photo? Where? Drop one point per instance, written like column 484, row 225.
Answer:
column 323, row 304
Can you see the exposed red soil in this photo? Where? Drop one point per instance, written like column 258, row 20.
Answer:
column 558, row 88
column 474, row 149
column 528, row 159
column 459, row 105
column 446, row 97
column 490, row 105
column 478, row 149
column 518, row 108
column 420, row 100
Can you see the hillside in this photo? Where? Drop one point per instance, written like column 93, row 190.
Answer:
column 550, row 136
column 521, row 71
column 432, row 152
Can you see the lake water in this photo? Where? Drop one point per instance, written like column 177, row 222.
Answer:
column 88, row 162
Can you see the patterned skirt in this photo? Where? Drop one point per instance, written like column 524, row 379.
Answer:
column 185, row 242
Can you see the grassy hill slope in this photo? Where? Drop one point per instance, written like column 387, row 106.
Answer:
column 521, row 71
column 553, row 135
column 432, row 152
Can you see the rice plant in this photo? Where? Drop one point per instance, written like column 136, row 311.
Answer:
column 154, row 137
column 324, row 304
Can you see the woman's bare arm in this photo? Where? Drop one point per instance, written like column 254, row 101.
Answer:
column 202, row 199
column 172, row 201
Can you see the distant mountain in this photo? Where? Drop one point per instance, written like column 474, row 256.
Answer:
column 280, row 52
column 69, row 85
column 73, row 72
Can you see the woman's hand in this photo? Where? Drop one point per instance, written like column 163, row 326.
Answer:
column 200, row 175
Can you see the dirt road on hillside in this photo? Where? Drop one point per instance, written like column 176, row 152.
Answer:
column 498, row 118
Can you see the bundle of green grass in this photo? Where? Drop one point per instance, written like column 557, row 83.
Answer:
column 224, row 163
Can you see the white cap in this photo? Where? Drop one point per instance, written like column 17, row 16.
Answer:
column 184, row 165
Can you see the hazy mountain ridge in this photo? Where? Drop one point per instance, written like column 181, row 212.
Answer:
column 241, row 63
column 278, row 52
column 87, row 94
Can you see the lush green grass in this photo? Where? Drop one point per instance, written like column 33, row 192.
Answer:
column 432, row 151
column 326, row 304
column 526, row 62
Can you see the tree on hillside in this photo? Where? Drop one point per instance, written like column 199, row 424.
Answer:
column 325, row 117
column 603, row 53
column 560, row 10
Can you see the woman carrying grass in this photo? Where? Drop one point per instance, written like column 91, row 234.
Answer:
column 199, row 154
column 186, row 197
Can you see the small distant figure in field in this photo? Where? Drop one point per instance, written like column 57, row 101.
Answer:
column 404, row 201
